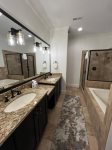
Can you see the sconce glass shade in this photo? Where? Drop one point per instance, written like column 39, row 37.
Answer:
column 20, row 38
column 40, row 47
column 11, row 39
column 35, row 48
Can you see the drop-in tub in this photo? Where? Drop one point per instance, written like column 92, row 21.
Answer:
column 101, row 96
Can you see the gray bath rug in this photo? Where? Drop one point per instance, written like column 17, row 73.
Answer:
column 71, row 132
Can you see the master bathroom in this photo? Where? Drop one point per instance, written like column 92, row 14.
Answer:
column 55, row 75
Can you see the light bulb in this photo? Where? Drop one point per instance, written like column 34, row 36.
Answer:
column 11, row 39
column 1, row 14
column 20, row 38
column 80, row 29
column 40, row 48
column 34, row 48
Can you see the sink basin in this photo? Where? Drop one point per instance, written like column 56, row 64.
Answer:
column 51, row 79
column 20, row 102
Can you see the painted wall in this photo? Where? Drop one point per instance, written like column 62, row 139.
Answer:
column 59, row 43
column 20, row 10
column 75, row 47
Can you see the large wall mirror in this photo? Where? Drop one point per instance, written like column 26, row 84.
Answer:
column 22, row 53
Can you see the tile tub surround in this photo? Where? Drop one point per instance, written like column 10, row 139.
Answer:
column 10, row 121
column 98, row 84
column 3, row 73
column 7, row 82
column 103, row 121
column 56, row 76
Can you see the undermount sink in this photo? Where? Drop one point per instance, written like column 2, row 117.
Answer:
column 51, row 79
column 20, row 102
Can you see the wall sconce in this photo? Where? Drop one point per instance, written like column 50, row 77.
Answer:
column 36, row 44
column 24, row 56
column 55, row 65
column 44, row 64
column 15, row 36
column 46, row 49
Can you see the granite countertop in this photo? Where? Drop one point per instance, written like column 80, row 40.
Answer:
column 51, row 79
column 10, row 121
column 49, row 88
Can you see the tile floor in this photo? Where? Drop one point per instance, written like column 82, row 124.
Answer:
column 53, row 118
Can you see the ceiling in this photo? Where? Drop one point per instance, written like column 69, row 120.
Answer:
column 96, row 14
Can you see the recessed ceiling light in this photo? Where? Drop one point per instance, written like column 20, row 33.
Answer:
column 80, row 29
column 29, row 35
column 1, row 14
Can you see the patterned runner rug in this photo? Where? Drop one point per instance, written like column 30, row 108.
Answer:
column 71, row 131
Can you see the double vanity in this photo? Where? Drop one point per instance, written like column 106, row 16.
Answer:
column 24, row 117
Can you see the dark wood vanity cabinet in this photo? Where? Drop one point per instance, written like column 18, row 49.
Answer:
column 8, row 145
column 24, row 135
column 40, row 119
column 29, row 132
column 58, row 88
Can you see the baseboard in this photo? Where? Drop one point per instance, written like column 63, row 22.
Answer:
column 73, row 85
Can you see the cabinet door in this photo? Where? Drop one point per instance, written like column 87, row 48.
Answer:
column 8, row 145
column 36, row 124
column 24, row 135
column 42, row 115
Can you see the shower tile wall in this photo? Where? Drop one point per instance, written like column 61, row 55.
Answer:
column 3, row 73
column 100, row 65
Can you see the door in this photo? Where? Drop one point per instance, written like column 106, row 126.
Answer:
column 31, row 66
column 14, row 65
column 83, row 73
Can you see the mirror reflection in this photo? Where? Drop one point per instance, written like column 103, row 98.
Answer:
column 22, row 55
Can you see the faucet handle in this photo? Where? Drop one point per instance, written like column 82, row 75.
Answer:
column 6, row 99
column 18, row 92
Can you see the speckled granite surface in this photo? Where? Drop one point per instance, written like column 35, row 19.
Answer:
column 10, row 121
column 71, row 131
column 48, row 81
column 49, row 88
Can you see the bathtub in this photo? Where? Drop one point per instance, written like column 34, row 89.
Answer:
column 6, row 82
column 101, row 97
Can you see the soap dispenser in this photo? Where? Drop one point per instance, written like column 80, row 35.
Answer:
column 34, row 84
